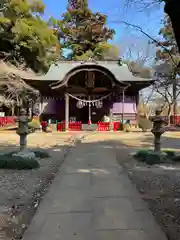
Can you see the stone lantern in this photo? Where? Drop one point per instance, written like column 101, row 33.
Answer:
column 22, row 130
column 158, row 129
column 172, row 8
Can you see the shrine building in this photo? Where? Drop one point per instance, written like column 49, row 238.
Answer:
column 87, row 92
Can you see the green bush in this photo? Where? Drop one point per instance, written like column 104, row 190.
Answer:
column 2, row 161
column 38, row 154
column 175, row 158
column 17, row 162
column 150, row 157
column 141, row 154
column 170, row 153
column 155, row 158
column 41, row 154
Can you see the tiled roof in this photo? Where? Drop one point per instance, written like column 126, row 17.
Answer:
column 58, row 71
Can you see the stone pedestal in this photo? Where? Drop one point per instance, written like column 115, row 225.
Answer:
column 158, row 130
column 22, row 130
column 23, row 141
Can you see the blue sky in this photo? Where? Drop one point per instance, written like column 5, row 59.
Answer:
column 149, row 20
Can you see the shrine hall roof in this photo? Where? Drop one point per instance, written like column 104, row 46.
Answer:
column 59, row 70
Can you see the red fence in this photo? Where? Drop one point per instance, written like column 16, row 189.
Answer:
column 5, row 121
column 103, row 126
column 175, row 120
column 116, row 126
column 73, row 126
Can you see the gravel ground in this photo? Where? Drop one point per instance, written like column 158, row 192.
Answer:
column 158, row 185
column 21, row 191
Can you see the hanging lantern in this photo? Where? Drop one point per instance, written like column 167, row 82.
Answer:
column 80, row 104
column 99, row 104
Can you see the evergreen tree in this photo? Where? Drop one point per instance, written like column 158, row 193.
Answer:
column 85, row 33
column 25, row 38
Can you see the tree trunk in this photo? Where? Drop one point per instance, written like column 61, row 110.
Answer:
column 170, row 108
column 174, row 88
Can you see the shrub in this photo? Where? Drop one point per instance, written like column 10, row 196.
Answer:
column 155, row 158
column 170, row 153
column 41, row 154
column 150, row 157
column 16, row 162
column 175, row 158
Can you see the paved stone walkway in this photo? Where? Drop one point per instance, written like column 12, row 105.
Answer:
column 91, row 198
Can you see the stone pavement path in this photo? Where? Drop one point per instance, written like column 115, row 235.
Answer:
column 91, row 198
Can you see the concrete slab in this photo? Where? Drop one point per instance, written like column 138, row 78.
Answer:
column 113, row 214
column 74, row 222
column 112, row 188
column 79, row 180
column 122, row 234
column 71, row 200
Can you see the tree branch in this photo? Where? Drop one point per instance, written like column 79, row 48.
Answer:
column 138, row 28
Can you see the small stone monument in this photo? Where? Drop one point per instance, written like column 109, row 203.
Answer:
column 158, row 129
column 22, row 130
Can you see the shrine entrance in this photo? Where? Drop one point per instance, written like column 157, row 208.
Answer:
column 109, row 84
column 83, row 114
column 89, row 109
column 88, row 91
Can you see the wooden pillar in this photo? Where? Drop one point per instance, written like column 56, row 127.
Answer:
column 111, row 119
column 40, row 107
column 123, row 107
column 137, row 106
column 66, row 112
column 12, row 109
column 89, row 112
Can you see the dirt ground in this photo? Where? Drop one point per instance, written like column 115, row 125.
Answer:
column 21, row 191
column 158, row 185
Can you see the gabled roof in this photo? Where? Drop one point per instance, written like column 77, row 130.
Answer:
column 59, row 70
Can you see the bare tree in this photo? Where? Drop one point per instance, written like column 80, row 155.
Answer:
column 146, row 106
column 142, row 5
column 13, row 89
column 164, row 77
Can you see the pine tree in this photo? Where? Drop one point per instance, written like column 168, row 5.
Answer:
column 85, row 33
column 25, row 38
